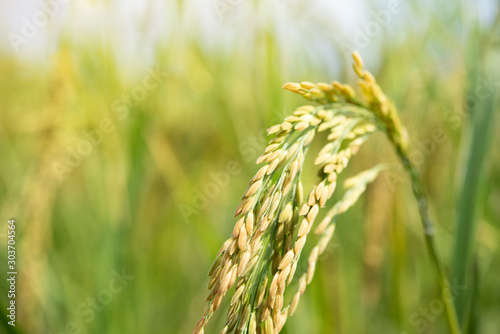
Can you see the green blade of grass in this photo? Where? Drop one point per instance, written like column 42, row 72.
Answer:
column 482, row 123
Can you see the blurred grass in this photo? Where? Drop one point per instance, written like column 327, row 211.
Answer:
column 121, row 206
column 481, row 107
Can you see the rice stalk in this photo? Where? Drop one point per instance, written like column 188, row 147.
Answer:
column 275, row 218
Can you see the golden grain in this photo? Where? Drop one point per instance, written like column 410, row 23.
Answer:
column 292, row 273
column 274, row 285
column 313, row 257
column 271, row 148
column 233, row 247
column 242, row 238
column 313, row 212
column 295, row 302
column 282, row 278
column 262, row 158
column 237, row 228
column 274, row 129
column 358, row 70
column 323, row 225
column 268, row 326
column 304, row 210
column 252, row 325
column 299, row 244
column 266, row 313
column 319, row 190
column 239, row 208
column 266, row 221
column 278, row 304
column 310, row 272
column 292, row 86
column 304, row 228
column 224, row 284
column 261, row 292
column 253, row 261
column 286, row 126
column 301, row 126
column 324, row 87
column 286, row 260
column 253, row 188
column 249, row 223
column 248, row 205
column 237, row 294
column 307, row 85
column 324, row 197
column 311, row 200
column 245, row 257
column 260, row 174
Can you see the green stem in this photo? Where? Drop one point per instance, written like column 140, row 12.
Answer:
column 423, row 208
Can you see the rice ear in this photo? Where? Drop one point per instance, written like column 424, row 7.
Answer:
column 261, row 256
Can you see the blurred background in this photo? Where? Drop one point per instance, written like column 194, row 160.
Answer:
column 129, row 131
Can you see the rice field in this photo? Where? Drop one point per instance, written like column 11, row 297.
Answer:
column 130, row 131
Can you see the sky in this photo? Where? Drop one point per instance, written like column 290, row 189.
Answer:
column 32, row 30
